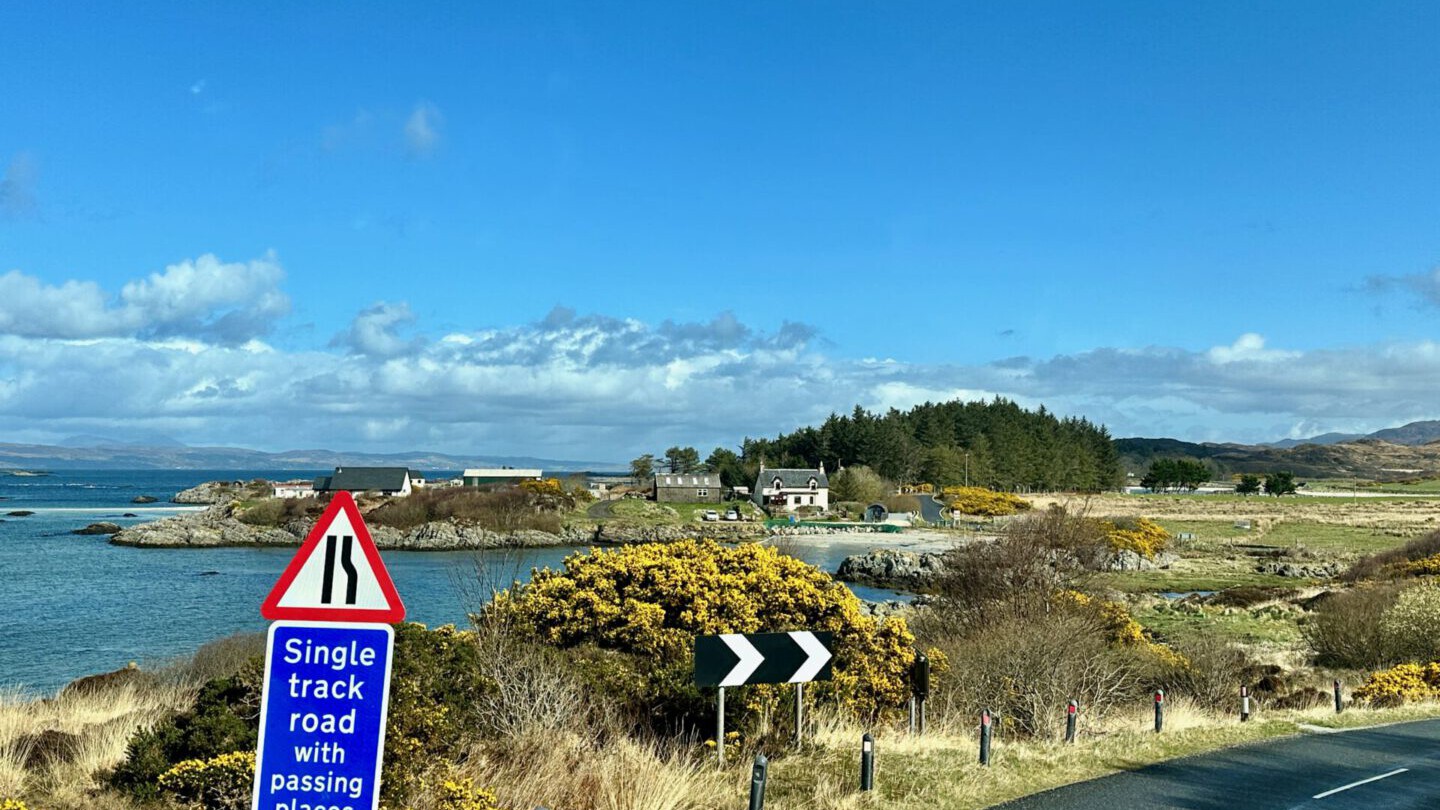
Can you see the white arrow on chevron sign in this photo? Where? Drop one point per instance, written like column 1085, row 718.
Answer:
column 817, row 652
column 750, row 659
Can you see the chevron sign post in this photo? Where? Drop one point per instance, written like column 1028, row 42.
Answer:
column 739, row 659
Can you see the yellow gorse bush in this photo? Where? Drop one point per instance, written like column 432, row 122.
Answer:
column 1121, row 629
column 1142, row 536
column 982, row 501
column 1402, row 683
column 654, row 599
column 462, row 794
column 12, row 804
column 1423, row 567
column 218, row 783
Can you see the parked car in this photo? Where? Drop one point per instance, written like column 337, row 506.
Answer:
column 731, row 514
column 711, row 514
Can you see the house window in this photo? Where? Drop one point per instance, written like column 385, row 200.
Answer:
column 701, row 493
column 812, row 500
column 814, row 485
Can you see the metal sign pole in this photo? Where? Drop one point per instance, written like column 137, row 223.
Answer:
column 799, row 713
column 720, row 726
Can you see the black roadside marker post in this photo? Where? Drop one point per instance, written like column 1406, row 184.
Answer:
column 919, row 691
column 1244, row 703
column 1159, row 710
column 1338, row 705
column 757, row 782
column 1071, row 711
column 867, row 762
column 985, row 737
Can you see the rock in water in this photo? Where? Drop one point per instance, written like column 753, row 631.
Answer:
column 98, row 528
column 20, row 513
column 891, row 568
column 143, row 499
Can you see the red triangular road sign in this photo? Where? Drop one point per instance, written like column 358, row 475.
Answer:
column 337, row 575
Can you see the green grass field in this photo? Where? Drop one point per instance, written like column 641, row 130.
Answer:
column 1270, row 625
column 1331, row 538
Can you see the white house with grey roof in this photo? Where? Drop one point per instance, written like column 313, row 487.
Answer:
column 790, row 489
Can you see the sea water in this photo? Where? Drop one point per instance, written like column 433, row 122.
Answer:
column 73, row 605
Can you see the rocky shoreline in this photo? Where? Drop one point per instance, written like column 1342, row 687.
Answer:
column 217, row 527
column 894, row 569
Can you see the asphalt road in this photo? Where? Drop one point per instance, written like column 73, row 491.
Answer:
column 929, row 508
column 1381, row 768
column 601, row 510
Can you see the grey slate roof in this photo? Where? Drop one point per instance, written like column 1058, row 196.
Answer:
column 791, row 478
column 363, row 479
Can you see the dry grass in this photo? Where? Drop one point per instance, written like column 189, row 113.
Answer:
column 562, row 770
column 1398, row 517
column 52, row 750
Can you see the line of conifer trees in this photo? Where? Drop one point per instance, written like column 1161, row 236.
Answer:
column 995, row 444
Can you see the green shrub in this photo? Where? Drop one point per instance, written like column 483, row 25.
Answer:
column 1345, row 629
column 1408, row 560
column 436, row 691
column 278, row 511
column 1408, row 628
column 498, row 510
column 225, row 718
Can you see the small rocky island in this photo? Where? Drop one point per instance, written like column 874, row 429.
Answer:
column 231, row 520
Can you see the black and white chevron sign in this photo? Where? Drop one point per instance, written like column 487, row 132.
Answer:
column 736, row 659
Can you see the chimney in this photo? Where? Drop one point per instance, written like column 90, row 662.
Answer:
column 822, row 467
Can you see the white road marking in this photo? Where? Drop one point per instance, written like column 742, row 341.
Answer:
column 1361, row 782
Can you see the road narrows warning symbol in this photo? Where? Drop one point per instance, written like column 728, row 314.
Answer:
column 336, row 575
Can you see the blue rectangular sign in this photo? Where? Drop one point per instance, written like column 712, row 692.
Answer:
column 322, row 716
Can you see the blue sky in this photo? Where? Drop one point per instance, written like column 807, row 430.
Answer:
column 588, row 230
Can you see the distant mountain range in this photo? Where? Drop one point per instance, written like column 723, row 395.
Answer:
column 1411, row 434
column 99, row 453
column 1409, row 451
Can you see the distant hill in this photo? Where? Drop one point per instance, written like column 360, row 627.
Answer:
column 1324, row 438
column 1362, row 458
column 121, row 456
column 1412, row 434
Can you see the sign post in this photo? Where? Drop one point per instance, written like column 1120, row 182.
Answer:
column 327, row 670
column 738, row 659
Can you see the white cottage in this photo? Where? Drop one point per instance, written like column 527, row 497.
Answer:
column 790, row 489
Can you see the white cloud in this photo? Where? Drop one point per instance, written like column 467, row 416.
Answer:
column 374, row 332
column 165, row 356
column 204, row 299
column 422, row 129
column 1248, row 348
